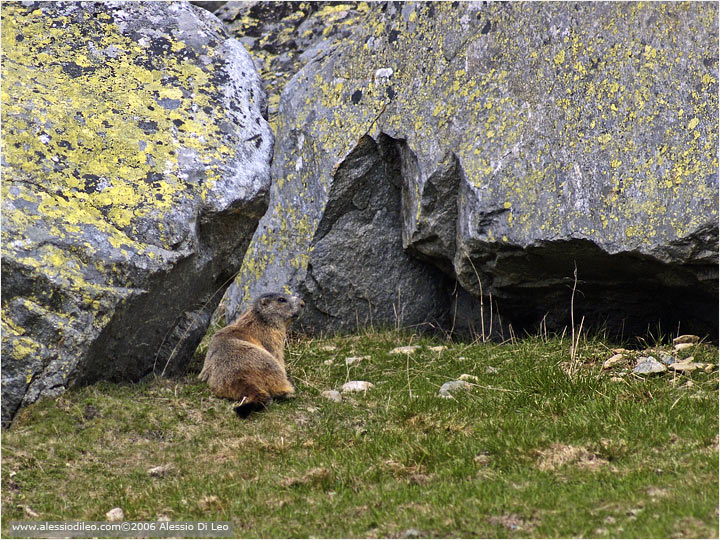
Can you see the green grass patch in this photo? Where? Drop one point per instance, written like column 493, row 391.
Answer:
column 527, row 451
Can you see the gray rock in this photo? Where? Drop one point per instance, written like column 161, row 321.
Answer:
column 282, row 36
column 346, row 263
column 613, row 361
column 648, row 366
column 447, row 389
column 686, row 366
column 526, row 140
column 686, row 338
column 122, row 218
column 667, row 359
column 332, row 395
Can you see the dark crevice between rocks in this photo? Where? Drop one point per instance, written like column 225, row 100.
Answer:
column 624, row 295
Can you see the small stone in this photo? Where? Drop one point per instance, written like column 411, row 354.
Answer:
column 685, row 367
column 332, row 395
column 620, row 351
column 613, row 361
column 209, row 502
column 490, row 370
column 116, row 514
column 682, row 346
column 648, row 366
column 411, row 533
column 350, row 360
column 438, row 348
column 466, row 377
column 328, row 348
column 407, row 349
column 667, row 359
column 686, row 338
column 357, row 386
column 451, row 386
column 160, row 470
column 163, row 517
column 688, row 384
column 329, row 362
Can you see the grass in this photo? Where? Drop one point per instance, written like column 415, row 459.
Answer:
column 529, row 451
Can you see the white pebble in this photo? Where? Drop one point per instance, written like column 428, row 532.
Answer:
column 407, row 349
column 354, row 359
column 357, row 386
column 116, row 514
column 332, row 395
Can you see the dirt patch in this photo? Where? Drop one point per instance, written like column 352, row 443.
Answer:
column 559, row 455
column 691, row 527
column 656, row 492
column 513, row 522
column 313, row 476
column 210, row 502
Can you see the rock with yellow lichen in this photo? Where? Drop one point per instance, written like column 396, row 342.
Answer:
column 524, row 140
column 135, row 168
column 282, row 36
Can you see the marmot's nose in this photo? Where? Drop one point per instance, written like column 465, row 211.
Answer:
column 302, row 303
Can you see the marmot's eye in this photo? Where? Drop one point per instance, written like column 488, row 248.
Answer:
column 281, row 300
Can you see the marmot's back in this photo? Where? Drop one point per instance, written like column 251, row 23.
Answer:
column 246, row 361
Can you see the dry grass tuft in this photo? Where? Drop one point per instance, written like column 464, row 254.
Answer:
column 559, row 455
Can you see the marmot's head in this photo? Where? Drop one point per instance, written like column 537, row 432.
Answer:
column 277, row 308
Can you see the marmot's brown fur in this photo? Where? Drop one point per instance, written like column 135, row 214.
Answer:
column 246, row 360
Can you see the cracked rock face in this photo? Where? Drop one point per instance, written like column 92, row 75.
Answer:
column 135, row 169
column 357, row 272
column 532, row 140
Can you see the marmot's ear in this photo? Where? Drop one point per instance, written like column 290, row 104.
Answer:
column 264, row 301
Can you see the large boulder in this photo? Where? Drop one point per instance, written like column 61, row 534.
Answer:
column 535, row 142
column 135, row 169
column 283, row 36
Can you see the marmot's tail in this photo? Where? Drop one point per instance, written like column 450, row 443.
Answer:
column 246, row 408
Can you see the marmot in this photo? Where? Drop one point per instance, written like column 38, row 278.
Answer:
column 246, row 360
